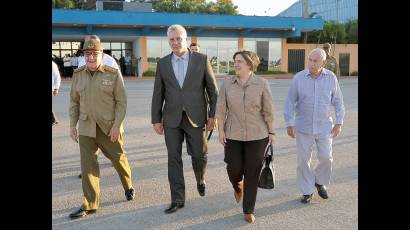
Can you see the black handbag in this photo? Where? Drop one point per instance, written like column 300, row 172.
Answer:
column 267, row 176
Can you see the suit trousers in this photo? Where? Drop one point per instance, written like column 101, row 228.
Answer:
column 306, row 175
column 196, row 147
column 90, row 170
column 244, row 162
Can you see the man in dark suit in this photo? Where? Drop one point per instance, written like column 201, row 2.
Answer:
column 181, row 82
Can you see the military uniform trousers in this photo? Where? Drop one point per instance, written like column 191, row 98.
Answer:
column 244, row 162
column 196, row 147
column 307, row 176
column 90, row 170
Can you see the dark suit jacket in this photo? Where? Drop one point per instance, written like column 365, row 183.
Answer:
column 199, row 80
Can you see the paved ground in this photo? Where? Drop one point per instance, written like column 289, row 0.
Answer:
column 279, row 208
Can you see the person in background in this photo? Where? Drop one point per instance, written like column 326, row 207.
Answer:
column 331, row 62
column 55, row 86
column 194, row 47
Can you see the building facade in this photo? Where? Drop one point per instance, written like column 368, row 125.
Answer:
column 330, row 10
column 143, row 35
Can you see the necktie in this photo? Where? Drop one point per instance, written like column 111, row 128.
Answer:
column 180, row 76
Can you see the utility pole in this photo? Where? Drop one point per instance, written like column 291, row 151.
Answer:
column 305, row 14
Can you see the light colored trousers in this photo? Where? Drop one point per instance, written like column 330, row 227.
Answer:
column 307, row 176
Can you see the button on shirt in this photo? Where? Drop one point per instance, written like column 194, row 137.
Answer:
column 309, row 103
column 180, row 66
column 245, row 108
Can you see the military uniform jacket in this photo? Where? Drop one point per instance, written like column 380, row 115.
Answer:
column 98, row 99
column 331, row 64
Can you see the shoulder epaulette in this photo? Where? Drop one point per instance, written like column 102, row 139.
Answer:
column 110, row 69
column 79, row 69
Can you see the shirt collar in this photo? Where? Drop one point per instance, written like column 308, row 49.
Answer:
column 185, row 56
column 324, row 72
column 100, row 68
column 251, row 80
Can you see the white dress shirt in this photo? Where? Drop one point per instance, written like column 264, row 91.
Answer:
column 55, row 76
column 308, row 106
column 180, row 74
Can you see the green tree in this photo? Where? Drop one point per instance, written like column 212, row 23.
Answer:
column 351, row 32
column 195, row 6
column 332, row 32
column 73, row 4
column 66, row 4
column 226, row 7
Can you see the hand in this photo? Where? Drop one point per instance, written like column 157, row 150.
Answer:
column 114, row 134
column 291, row 131
column 73, row 134
column 210, row 124
column 159, row 129
column 336, row 130
column 222, row 138
column 271, row 139
column 55, row 92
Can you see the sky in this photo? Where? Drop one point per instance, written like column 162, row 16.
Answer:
column 262, row 7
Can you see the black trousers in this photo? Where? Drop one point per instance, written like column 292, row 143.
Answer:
column 244, row 162
column 196, row 147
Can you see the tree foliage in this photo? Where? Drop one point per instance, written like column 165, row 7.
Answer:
column 73, row 4
column 195, row 6
column 332, row 32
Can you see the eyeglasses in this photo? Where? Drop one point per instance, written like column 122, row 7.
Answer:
column 95, row 54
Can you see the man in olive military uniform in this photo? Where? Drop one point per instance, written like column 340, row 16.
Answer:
column 331, row 63
column 98, row 103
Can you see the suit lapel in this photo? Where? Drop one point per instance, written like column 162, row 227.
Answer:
column 170, row 69
column 191, row 64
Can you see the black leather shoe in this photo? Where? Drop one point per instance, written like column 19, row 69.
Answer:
column 321, row 189
column 130, row 194
column 81, row 213
column 201, row 189
column 173, row 208
column 306, row 198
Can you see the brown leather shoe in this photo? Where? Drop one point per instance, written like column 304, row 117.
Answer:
column 250, row 218
column 238, row 195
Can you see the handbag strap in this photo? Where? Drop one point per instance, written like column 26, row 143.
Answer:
column 269, row 148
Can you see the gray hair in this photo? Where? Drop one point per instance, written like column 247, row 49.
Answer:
column 177, row 28
column 89, row 37
column 321, row 52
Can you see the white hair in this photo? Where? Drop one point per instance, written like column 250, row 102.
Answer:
column 177, row 28
column 321, row 52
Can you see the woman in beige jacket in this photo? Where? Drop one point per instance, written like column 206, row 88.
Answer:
column 245, row 122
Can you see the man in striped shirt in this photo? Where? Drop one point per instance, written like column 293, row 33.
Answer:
column 308, row 115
